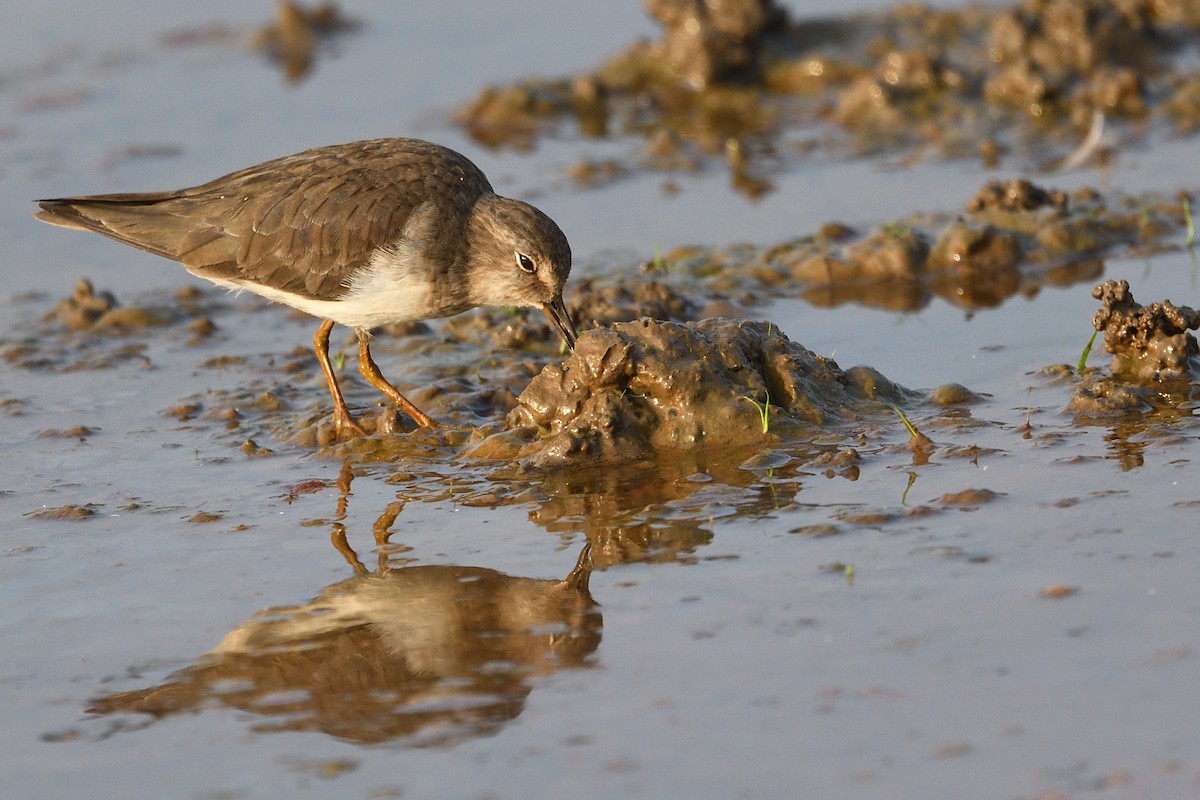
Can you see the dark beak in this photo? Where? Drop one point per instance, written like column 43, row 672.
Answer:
column 556, row 310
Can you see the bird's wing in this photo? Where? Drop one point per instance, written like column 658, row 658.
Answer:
column 300, row 224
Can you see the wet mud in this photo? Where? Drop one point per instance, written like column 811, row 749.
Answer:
column 662, row 364
column 757, row 504
column 731, row 81
column 1012, row 238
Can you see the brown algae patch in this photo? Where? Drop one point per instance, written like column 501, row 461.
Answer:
column 636, row 388
column 736, row 81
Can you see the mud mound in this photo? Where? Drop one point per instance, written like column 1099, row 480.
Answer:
column 1149, row 344
column 639, row 387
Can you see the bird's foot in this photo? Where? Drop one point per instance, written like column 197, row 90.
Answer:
column 345, row 424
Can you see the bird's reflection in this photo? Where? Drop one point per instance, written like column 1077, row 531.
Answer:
column 426, row 654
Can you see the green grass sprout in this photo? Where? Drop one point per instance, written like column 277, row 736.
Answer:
column 912, row 431
column 917, row 441
column 912, row 478
column 764, row 409
column 658, row 263
column 1190, row 239
column 1087, row 350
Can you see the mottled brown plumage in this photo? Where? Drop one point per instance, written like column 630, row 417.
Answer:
column 363, row 234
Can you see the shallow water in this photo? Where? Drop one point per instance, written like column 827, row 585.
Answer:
column 739, row 655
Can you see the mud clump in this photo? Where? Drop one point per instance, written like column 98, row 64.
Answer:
column 69, row 512
column 87, row 309
column 1149, row 344
column 1104, row 396
column 292, row 39
column 736, row 80
column 641, row 387
column 81, row 310
column 1014, row 238
column 1045, row 48
column 601, row 305
column 1016, row 195
column 708, row 39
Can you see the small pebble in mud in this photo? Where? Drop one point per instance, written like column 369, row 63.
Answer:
column 201, row 328
column 251, row 448
column 953, row 394
column 1058, row 591
column 183, row 412
column 1149, row 344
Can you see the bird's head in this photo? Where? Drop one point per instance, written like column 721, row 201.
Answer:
column 519, row 257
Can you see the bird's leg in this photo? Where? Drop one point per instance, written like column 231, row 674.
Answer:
column 370, row 371
column 341, row 415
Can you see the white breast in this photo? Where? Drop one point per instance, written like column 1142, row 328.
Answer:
column 391, row 288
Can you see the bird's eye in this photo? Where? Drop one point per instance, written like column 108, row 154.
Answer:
column 525, row 263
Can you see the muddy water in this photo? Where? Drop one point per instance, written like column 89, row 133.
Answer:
column 205, row 596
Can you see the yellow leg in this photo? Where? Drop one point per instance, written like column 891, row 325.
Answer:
column 341, row 414
column 369, row 370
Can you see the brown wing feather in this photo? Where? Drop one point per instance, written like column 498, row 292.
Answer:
column 302, row 223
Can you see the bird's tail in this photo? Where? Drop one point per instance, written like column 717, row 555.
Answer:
column 132, row 219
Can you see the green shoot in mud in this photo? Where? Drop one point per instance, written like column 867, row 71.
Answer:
column 1190, row 239
column 764, row 409
column 841, row 568
column 339, row 360
column 658, row 263
column 917, row 441
column 912, row 478
column 1026, row 428
column 1087, row 350
column 912, row 431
